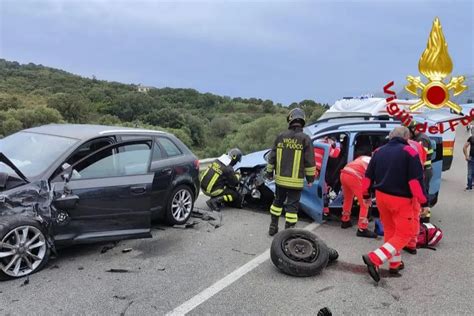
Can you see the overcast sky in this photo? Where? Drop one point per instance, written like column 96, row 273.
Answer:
column 280, row 50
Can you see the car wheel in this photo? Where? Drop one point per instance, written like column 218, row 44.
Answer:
column 23, row 247
column 298, row 252
column 180, row 205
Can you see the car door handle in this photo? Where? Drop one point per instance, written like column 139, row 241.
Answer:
column 138, row 189
column 167, row 171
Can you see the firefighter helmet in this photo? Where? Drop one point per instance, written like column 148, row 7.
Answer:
column 235, row 156
column 295, row 115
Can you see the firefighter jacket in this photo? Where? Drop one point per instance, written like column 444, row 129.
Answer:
column 292, row 159
column 426, row 143
column 217, row 177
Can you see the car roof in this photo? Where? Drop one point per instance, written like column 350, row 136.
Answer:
column 87, row 131
column 352, row 123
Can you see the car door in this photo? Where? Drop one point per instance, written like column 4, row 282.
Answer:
column 312, row 198
column 113, row 185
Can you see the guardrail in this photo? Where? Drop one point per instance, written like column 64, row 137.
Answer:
column 204, row 163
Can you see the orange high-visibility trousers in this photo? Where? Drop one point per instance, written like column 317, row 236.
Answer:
column 397, row 216
column 352, row 186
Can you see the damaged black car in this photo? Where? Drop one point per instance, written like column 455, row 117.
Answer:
column 71, row 184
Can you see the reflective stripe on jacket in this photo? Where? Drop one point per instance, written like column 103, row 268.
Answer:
column 292, row 159
column 426, row 143
column 217, row 177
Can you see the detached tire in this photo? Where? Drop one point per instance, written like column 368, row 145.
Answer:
column 298, row 252
column 24, row 248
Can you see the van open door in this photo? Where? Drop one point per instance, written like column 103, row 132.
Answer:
column 437, row 165
column 312, row 198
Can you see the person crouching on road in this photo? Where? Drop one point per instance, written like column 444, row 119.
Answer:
column 291, row 160
column 396, row 175
column 417, row 208
column 219, row 181
column 351, row 180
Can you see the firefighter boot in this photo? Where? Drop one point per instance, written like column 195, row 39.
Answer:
column 273, row 225
column 289, row 225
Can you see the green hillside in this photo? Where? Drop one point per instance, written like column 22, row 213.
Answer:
column 32, row 95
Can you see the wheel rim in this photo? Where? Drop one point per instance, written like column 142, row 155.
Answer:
column 300, row 248
column 181, row 205
column 22, row 250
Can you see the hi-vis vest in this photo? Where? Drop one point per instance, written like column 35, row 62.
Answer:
column 217, row 177
column 292, row 159
column 426, row 143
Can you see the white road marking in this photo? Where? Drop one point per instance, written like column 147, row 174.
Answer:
column 215, row 288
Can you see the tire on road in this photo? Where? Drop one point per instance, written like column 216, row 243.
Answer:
column 33, row 248
column 174, row 216
column 298, row 252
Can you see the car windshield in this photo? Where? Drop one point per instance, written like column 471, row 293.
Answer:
column 32, row 153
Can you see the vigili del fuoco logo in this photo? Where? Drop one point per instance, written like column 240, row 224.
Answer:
column 435, row 65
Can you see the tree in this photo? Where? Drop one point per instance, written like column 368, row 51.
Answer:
column 74, row 108
column 221, row 126
column 11, row 126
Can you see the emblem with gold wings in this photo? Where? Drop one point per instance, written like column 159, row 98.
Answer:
column 435, row 64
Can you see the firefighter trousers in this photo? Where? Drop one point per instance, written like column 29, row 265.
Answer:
column 397, row 216
column 230, row 197
column 288, row 200
column 352, row 187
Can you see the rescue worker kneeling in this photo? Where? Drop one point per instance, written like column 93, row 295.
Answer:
column 351, row 180
column 219, row 181
column 292, row 160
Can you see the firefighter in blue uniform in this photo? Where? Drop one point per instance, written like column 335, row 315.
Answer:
column 290, row 161
column 220, row 181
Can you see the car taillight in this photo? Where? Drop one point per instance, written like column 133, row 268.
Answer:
column 196, row 164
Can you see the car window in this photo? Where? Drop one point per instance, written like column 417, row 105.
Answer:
column 157, row 152
column 124, row 160
column 88, row 148
column 169, row 147
column 33, row 153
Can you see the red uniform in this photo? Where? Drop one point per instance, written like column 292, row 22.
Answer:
column 334, row 152
column 351, row 180
column 416, row 206
column 396, row 175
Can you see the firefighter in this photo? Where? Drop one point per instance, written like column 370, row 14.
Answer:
column 351, row 180
column 396, row 175
column 334, row 152
column 219, row 181
column 425, row 141
column 290, row 161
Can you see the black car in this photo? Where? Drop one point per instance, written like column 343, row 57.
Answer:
column 70, row 184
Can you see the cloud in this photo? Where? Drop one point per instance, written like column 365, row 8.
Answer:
column 253, row 23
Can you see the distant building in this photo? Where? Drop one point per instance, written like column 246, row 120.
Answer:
column 144, row 89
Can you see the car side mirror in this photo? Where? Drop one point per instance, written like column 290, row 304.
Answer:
column 66, row 202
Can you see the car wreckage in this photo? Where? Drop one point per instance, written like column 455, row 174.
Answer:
column 69, row 184
column 356, row 135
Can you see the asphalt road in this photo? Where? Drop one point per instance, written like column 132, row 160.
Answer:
column 226, row 271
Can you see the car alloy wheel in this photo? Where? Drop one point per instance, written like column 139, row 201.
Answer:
column 181, row 205
column 22, row 251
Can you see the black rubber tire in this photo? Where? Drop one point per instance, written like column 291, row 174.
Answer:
column 7, row 223
column 294, row 267
column 170, row 220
